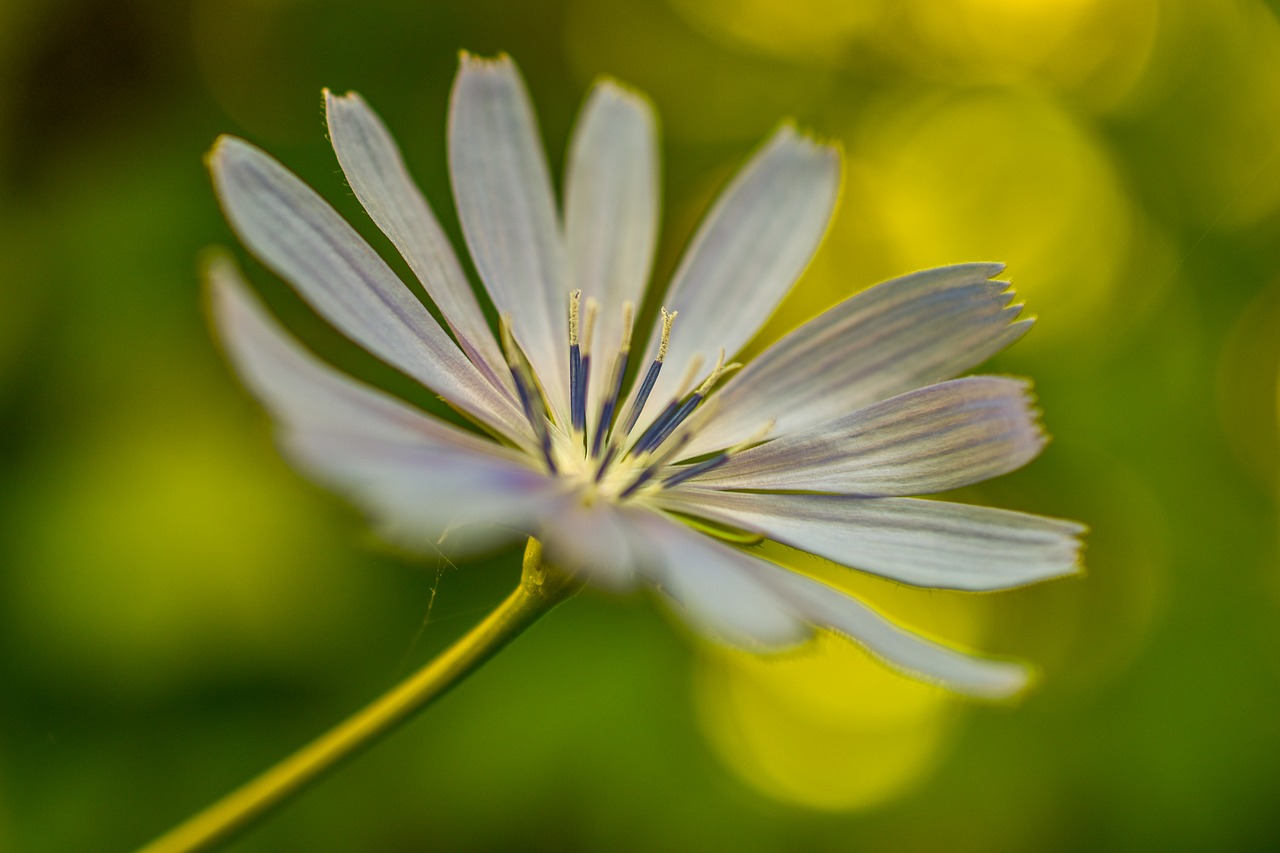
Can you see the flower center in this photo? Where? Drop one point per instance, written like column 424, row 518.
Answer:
column 610, row 459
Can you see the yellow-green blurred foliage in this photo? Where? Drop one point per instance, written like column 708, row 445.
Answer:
column 178, row 608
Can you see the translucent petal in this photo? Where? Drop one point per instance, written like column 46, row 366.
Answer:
column 715, row 587
column 751, row 248
column 897, row 646
column 302, row 239
column 418, row 477
column 736, row 595
column 377, row 174
column 611, row 213
column 889, row 339
column 941, row 437
column 508, row 213
column 593, row 542
column 921, row 542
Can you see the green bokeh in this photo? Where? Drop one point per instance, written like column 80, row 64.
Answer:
column 178, row 609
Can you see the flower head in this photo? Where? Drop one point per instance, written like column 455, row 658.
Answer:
column 631, row 451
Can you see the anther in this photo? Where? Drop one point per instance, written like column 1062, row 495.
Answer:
column 671, row 418
column 577, row 387
column 589, row 325
column 637, row 405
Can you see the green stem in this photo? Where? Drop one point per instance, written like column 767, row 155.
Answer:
column 540, row 589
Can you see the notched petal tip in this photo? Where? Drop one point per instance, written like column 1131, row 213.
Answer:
column 468, row 61
column 333, row 100
column 788, row 132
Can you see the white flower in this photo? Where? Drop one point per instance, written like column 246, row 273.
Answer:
column 817, row 443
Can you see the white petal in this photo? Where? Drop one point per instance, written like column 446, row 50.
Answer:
column 889, row 339
column 508, row 215
column 302, row 239
column 941, row 437
column 715, row 587
column 735, row 595
column 896, row 646
column 377, row 174
column 754, row 244
column 417, row 476
column 427, row 496
column 921, row 542
column 611, row 213
column 593, row 542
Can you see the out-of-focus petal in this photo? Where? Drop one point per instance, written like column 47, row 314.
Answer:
column 611, row 213
column 505, row 204
column 418, row 477
column 921, row 542
column 895, row 645
column 735, row 595
column 593, row 542
column 715, row 588
column 937, row 438
column 754, row 244
column 889, row 339
column 377, row 174
column 303, row 240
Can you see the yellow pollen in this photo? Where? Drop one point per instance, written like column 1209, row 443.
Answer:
column 589, row 325
column 575, row 302
column 720, row 370
column 628, row 317
column 667, row 320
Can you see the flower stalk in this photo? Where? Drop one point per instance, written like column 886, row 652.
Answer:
column 541, row 588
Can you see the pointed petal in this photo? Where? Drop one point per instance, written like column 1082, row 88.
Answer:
column 889, row 339
column 921, row 542
column 417, row 476
column 377, row 174
column 941, row 437
column 304, row 241
column 611, row 213
column 503, row 191
column 751, row 248
column 715, row 587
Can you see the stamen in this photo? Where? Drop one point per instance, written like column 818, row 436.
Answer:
column 690, row 375
column 716, row 461
column 524, row 390
column 589, row 325
column 575, row 301
column 605, row 423
column 647, row 439
column 694, row 470
column 721, row 369
column 651, row 377
column 667, row 320
column 652, row 469
column 577, row 387
column 584, row 373
column 604, row 463
column 628, row 317
column 671, row 417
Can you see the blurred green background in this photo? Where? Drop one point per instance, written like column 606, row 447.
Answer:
column 178, row 609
